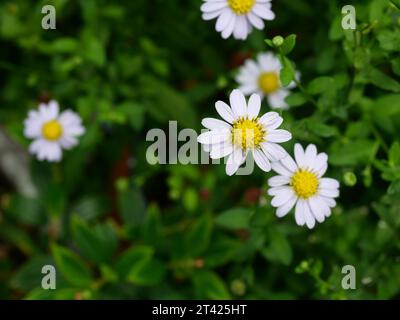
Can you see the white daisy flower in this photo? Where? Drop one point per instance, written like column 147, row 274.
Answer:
column 243, row 132
column 263, row 77
column 52, row 131
column 301, row 183
column 237, row 17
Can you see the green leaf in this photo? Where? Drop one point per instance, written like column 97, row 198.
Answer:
column 383, row 81
column 96, row 243
column 396, row 3
column 93, row 50
column 190, row 199
column 394, row 154
column 198, row 238
column 353, row 153
column 269, row 43
column 209, row 285
column 321, row 129
column 91, row 207
column 148, row 274
column 296, row 99
column 389, row 40
column 132, row 206
column 319, row 85
column 152, row 226
column 133, row 258
column 237, row 218
column 74, row 270
column 221, row 251
column 30, row 276
column 63, row 45
column 169, row 104
column 287, row 73
column 394, row 188
column 288, row 45
column 279, row 249
column 27, row 210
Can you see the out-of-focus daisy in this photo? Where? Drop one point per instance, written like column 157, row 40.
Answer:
column 301, row 183
column 51, row 132
column 237, row 17
column 243, row 132
column 262, row 76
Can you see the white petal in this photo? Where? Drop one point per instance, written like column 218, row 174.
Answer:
column 318, row 208
column 289, row 163
column 263, row 11
column 310, row 220
column 276, row 190
column 329, row 201
column 240, row 30
column 46, row 150
column 254, row 106
column 223, row 20
column 269, row 118
column 277, row 99
column 68, row 142
column 235, row 160
column 224, row 111
column 68, row 118
column 213, row 6
column 278, row 181
column 274, row 124
column 212, row 124
column 280, row 169
column 283, row 197
column 274, row 151
column 257, row 22
column 321, row 164
column 262, row 160
column 311, row 155
column 286, row 207
column 229, row 28
column 299, row 212
column 299, row 155
column 330, row 193
column 211, row 15
column 279, row 136
column 220, row 150
column 214, row 136
column 328, row 183
column 238, row 103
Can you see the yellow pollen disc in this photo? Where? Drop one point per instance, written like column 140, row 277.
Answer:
column 52, row 130
column 268, row 82
column 247, row 133
column 304, row 183
column 241, row 6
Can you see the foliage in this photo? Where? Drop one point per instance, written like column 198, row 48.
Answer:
column 117, row 227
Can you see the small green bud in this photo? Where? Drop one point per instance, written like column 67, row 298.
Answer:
column 238, row 287
column 278, row 41
column 122, row 184
column 350, row 179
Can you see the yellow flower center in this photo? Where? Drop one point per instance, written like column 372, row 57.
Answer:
column 241, row 6
column 269, row 82
column 247, row 133
column 52, row 130
column 304, row 183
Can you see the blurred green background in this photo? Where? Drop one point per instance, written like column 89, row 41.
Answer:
column 116, row 227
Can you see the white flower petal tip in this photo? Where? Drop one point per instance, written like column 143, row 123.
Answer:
column 300, row 185
column 51, row 131
column 243, row 131
column 262, row 76
column 237, row 18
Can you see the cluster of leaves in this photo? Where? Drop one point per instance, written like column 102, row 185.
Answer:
column 116, row 227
